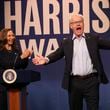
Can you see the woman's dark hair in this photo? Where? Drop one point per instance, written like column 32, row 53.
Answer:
column 3, row 39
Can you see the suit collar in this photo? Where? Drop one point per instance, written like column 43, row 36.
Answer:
column 87, row 36
column 74, row 36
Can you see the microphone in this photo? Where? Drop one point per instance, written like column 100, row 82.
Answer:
column 15, row 60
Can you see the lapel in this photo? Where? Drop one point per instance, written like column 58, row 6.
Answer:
column 90, row 45
column 71, row 44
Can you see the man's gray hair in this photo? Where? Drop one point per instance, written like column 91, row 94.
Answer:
column 75, row 14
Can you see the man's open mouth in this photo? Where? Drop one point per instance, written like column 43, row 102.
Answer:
column 79, row 28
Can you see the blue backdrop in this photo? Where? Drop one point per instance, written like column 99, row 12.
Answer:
column 40, row 25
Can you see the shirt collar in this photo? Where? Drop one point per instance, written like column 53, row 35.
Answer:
column 74, row 36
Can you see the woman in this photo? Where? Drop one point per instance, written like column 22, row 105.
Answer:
column 10, row 58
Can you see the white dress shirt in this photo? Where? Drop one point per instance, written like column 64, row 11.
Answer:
column 81, row 63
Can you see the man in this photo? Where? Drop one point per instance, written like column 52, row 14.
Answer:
column 83, row 67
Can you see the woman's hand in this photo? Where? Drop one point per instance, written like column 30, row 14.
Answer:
column 27, row 53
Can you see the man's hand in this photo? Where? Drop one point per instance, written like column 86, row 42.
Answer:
column 39, row 60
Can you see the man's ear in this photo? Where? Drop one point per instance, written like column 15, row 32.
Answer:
column 71, row 26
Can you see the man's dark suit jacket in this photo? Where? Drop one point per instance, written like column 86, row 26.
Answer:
column 66, row 50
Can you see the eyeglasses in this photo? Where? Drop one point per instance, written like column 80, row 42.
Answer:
column 76, row 22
